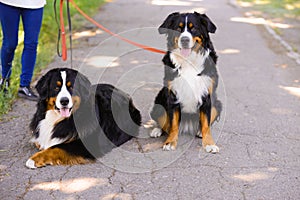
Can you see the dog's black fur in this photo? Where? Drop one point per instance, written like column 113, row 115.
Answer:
column 188, row 42
column 101, row 118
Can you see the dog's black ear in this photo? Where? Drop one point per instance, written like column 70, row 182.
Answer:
column 211, row 27
column 42, row 87
column 167, row 24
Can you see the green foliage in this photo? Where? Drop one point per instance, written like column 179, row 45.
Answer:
column 277, row 8
column 47, row 43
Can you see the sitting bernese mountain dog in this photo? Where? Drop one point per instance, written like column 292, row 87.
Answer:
column 188, row 100
column 76, row 122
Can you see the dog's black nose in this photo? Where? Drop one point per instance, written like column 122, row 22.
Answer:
column 64, row 101
column 185, row 41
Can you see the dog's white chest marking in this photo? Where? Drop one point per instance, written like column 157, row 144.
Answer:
column 189, row 87
column 45, row 129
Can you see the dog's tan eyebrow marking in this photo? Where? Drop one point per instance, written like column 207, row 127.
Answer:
column 191, row 24
column 69, row 84
column 181, row 24
column 58, row 83
column 198, row 39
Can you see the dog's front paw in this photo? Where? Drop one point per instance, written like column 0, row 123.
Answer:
column 150, row 124
column 37, row 161
column 43, row 158
column 30, row 164
column 156, row 132
column 169, row 147
column 212, row 149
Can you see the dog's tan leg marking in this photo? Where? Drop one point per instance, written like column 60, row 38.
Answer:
column 163, row 122
column 214, row 114
column 54, row 156
column 207, row 139
column 171, row 141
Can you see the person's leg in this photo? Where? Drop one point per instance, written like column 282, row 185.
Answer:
column 32, row 21
column 10, row 18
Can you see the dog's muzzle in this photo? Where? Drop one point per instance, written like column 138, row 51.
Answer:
column 185, row 42
column 65, row 107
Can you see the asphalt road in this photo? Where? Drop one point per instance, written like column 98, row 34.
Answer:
column 258, row 133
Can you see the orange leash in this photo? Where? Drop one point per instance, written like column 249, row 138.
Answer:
column 148, row 48
column 63, row 33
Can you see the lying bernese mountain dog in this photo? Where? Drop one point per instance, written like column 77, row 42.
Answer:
column 76, row 122
column 188, row 100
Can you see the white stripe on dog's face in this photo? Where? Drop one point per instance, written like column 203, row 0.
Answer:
column 64, row 93
column 187, row 35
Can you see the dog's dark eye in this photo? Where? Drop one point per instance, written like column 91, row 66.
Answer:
column 57, row 89
column 180, row 26
column 193, row 29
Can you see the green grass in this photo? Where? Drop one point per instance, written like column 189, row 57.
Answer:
column 47, row 44
column 277, row 8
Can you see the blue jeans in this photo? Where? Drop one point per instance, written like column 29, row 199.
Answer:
column 32, row 21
